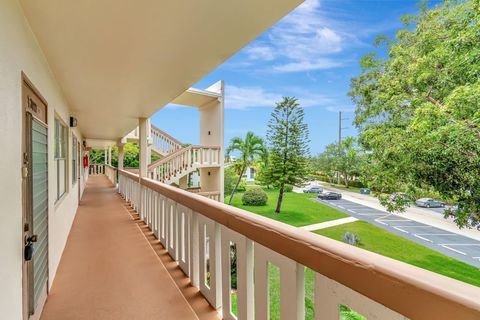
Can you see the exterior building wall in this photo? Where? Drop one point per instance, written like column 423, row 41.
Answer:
column 211, row 133
column 20, row 52
column 250, row 174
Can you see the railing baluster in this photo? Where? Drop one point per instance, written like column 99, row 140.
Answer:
column 329, row 295
column 194, row 250
column 183, row 230
column 244, row 265
column 292, row 288
column 210, row 260
column 172, row 229
column 162, row 221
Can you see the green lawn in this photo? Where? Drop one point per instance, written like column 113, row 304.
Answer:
column 381, row 241
column 297, row 208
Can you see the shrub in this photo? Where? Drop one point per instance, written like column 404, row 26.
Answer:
column 254, row 197
column 356, row 184
column 288, row 188
column 230, row 179
column 351, row 238
column 242, row 186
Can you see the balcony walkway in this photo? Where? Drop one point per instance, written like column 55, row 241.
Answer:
column 113, row 268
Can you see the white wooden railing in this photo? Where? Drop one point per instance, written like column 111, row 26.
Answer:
column 199, row 232
column 214, row 195
column 164, row 142
column 161, row 141
column 96, row 168
column 184, row 161
column 111, row 173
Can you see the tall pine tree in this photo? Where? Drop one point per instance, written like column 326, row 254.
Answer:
column 288, row 140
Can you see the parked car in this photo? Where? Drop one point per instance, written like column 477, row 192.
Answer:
column 365, row 191
column 313, row 190
column 473, row 224
column 429, row 203
column 330, row 196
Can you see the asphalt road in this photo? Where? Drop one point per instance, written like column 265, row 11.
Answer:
column 451, row 244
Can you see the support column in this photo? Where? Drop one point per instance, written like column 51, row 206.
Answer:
column 143, row 144
column 120, row 155
column 105, row 155
column 149, row 142
column 110, row 155
column 211, row 134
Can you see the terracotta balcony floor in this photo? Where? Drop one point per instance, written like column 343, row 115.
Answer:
column 113, row 268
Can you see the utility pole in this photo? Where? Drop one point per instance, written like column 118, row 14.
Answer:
column 339, row 140
column 340, row 128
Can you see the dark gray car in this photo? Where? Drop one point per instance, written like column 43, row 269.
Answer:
column 330, row 196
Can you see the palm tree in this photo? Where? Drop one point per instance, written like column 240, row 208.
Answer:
column 250, row 149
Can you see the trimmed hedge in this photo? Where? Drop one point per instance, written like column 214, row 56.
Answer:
column 254, row 197
column 288, row 188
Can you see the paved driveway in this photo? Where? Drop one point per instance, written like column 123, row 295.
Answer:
column 451, row 244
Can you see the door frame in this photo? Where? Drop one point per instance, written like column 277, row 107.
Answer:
column 27, row 272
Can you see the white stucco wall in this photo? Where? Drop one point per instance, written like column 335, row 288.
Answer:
column 211, row 133
column 19, row 52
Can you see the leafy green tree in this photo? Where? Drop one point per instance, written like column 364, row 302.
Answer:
column 325, row 163
column 262, row 177
column 250, row 149
column 262, row 166
column 230, row 179
column 349, row 160
column 346, row 159
column 288, row 140
column 131, row 153
column 418, row 109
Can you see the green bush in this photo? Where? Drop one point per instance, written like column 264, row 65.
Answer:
column 230, row 179
column 242, row 186
column 288, row 188
column 356, row 184
column 254, row 197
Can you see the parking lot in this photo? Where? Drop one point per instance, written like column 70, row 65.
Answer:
column 449, row 243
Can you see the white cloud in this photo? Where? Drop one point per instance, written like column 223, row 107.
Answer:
column 305, row 65
column 301, row 41
column 242, row 98
column 249, row 97
column 262, row 52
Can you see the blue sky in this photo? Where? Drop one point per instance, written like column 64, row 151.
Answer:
column 311, row 54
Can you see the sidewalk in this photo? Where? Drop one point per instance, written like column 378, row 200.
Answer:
column 328, row 224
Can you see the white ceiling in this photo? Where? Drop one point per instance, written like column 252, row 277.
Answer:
column 119, row 60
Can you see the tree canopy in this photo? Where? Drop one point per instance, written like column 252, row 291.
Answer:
column 131, row 153
column 418, row 110
column 345, row 158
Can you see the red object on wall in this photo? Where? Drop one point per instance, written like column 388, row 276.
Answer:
column 85, row 161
